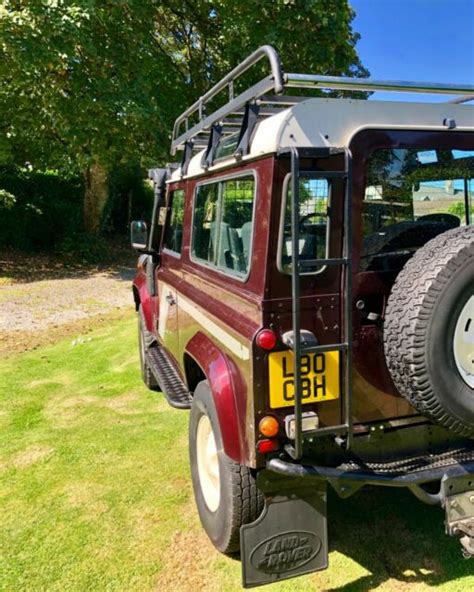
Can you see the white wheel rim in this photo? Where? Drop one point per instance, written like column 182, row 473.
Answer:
column 208, row 464
column 464, row 343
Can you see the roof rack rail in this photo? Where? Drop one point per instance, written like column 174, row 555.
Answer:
column 460, row 100
column 274, row 82
column 233, row 115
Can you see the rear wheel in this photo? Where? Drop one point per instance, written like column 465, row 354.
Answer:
column 226, row 493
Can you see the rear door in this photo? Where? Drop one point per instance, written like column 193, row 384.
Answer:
column 169, row 274
column 409, row 187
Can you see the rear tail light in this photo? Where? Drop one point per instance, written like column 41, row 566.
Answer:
column 264, row 446
column 266, row 339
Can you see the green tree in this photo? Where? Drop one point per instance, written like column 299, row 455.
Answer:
column 459, row 209
column 87, row 84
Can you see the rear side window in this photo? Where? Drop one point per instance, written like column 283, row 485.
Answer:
column 173, row 238
column 222, row 224
column 313, row 223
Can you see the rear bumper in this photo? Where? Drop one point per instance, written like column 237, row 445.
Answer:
column 347, row 479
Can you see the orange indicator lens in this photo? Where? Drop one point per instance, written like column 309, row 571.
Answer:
column 268, row 426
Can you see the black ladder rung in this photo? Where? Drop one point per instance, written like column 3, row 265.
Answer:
column 319, row 349
column 333, row 262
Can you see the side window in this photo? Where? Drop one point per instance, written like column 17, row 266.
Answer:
column 222, row 224
column 236, row 224
column 313, row 223
column 173, row 238
column 204, row 222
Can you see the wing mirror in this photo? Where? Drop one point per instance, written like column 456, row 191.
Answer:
column 139, row 235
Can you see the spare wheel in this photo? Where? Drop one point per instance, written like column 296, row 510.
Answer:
column 429, row 330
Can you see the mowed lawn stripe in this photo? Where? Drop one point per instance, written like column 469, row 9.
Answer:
column 95, row 491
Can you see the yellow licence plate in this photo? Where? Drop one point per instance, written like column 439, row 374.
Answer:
column 319, row 378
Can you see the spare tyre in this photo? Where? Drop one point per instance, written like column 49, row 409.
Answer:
column 429, row 330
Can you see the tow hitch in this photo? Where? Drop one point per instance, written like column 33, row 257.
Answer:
column 458, row 501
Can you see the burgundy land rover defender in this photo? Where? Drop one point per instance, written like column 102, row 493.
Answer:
column 307, row 282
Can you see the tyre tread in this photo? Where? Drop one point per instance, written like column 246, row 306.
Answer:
column 248, row 501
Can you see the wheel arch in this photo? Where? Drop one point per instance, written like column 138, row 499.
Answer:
column 203, row 360
column 193, row 372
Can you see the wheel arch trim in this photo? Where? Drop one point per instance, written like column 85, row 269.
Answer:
column 225, row 380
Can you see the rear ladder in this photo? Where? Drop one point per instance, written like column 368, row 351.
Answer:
column 295, row 450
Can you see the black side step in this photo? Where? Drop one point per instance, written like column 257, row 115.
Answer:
column 170, row 383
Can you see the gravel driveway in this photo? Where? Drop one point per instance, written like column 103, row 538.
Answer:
column 43, row 310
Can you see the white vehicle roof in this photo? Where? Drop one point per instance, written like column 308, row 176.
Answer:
column 319, row 122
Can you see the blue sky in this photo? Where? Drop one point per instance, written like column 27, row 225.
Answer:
column 421, row 40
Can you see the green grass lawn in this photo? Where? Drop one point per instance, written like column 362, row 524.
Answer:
column 95, row 491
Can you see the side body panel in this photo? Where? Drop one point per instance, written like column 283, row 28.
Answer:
column 219, row 314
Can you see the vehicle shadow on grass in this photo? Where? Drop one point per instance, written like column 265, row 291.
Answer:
column 394, row 537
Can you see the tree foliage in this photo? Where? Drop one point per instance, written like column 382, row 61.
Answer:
column 90, row 82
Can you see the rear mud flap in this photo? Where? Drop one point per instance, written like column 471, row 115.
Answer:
column 290, row 537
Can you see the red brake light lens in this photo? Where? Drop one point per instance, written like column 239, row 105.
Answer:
column 264, row 446
column 266, row 339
